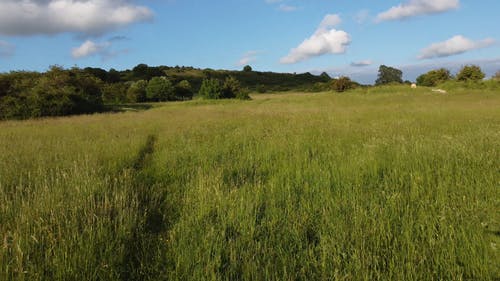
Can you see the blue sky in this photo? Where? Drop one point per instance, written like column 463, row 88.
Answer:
column 340, row 37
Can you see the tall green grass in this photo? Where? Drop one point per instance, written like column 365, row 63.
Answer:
column 394, row 185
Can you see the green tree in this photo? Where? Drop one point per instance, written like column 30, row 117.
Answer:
column 137, row 91
column 434, row 77
column 160, row 89
column 183, row 90
column 113, row 76
column 140, row 71
column 342, row 84
column 470, row 73
column 114, row 93
column 97, row 72
column 247, row 68
column 210, row 89
column 325, row 76
column 230, row 88
column 387, row 74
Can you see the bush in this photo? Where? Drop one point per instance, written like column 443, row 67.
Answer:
column 434, row 77
column 210, row 89
column 261, row 88
column 470, row 73
column 115, row 93
column 137, row 91
column 342, row 84
column 320, row 87
column 230, row 88
column 160, row 89
column 183, row 90
column 57, row 92
column 243, row 94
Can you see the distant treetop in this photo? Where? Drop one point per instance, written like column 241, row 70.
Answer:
column 470, row 73
column 387, row 74
column 247, row 68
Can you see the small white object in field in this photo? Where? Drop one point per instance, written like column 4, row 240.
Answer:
column 413, row 86
column 439, row 91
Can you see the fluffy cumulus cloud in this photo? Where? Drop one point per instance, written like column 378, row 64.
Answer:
column 326, row 40
column 6, row 49
column 417, row 7
column 89, row 48
column 89, row 17
column 456, row 45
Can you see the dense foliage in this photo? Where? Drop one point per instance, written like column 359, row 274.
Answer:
column 343, row 84
column 76, row 91
column 54, row 93
column 230, row 89
column 160, row 89
column 137, row 91
column 210, row 89
column 470, row 73
column 434, row 77
column 387, row 74
column 183, row 90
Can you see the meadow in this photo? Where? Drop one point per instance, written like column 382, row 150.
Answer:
column 386, row 183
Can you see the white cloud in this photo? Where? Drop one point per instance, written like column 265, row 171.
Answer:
column 248, row 57
column 456, row 45
column 362, row 63
column 89, row 48
column 417, row 7
column 102, row 49
column 326, row 40
column 89, row 17
column 6, row 49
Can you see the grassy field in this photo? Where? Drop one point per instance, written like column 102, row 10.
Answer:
column 386, row 184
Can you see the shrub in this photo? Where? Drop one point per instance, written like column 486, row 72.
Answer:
column 342, row 84
column 434, row 77
column 137, row 91
column 230, row 88
column 57, row 92
column 210, row 89
column 243, row 94
column 160, row 89
column 183, row 90
column 261, row 88
column 115, row 93
column 470, row 73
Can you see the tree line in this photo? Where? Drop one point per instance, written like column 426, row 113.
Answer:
column 60, row 91
column 468, row 73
